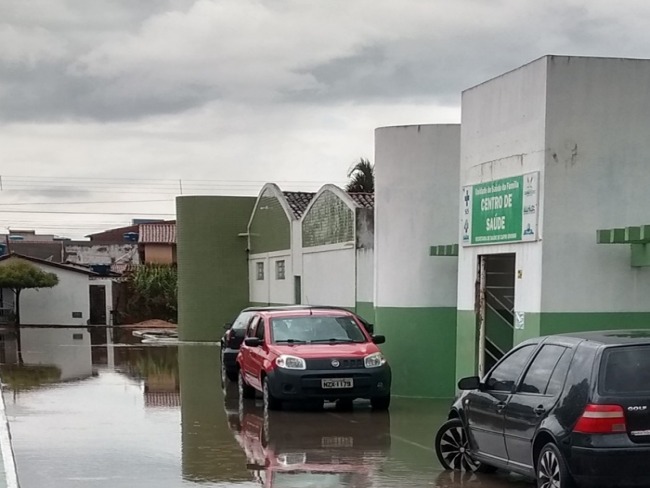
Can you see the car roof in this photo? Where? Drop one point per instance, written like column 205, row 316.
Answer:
column 306, row 311
column 612, row 337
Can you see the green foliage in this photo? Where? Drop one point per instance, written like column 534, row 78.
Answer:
column 152, row 290
column 25, row 377
column 19, row 275
column 362, row 177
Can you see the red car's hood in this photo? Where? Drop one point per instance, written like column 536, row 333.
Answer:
column 314, row 351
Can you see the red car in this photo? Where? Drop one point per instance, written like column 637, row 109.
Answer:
column 313, row 354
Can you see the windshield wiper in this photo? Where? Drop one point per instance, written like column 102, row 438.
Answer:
column 333, row 339
column 291, row 341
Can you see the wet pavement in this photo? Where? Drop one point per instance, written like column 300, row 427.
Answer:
column 131, row 414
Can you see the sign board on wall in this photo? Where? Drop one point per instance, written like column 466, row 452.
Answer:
column 500, row 211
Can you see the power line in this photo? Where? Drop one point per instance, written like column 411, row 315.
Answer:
column 115, row 202
column 84, row 213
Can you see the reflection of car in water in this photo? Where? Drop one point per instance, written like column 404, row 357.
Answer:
column 309, row 449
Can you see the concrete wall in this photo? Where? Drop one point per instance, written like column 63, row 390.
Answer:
column 416, row 198
column 329, row 275
column 597, row 177
column 502, row 135
column 212, row 263
column 159, row 253
column 93, row 253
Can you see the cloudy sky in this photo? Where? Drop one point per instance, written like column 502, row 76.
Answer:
column 110, row 108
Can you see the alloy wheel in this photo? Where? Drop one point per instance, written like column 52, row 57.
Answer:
column 548, row 472
column 454, row 450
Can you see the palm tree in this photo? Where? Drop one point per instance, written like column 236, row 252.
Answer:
column 362, row 177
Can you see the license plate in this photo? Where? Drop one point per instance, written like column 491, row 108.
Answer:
column 337, row 442
column 328, row 384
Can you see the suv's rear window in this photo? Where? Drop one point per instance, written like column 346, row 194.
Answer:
column 625, row 371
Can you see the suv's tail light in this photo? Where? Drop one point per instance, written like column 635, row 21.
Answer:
column 228, row 336
column 601, row 419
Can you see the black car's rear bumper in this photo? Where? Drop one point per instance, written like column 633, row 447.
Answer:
column 286, row 384
column 230, row 358
column 610, row 467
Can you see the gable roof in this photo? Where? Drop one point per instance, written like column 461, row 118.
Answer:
column 51, row 251
column 364, row 200
column 66, row 267
column 298, row 201
column 163, row 233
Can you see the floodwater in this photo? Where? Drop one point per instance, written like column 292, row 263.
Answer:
column 140, row 415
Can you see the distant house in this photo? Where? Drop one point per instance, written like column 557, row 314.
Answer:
column 157, row 242
column 67, row 304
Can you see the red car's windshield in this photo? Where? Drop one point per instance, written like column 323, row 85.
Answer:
column 316, row 329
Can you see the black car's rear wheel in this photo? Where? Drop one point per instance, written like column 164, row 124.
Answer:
column 452, row 449
column 551, row 470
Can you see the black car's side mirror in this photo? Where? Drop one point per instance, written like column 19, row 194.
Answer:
column 470, row 383
column 379, row 339
column 227, row 326
column 253, row 342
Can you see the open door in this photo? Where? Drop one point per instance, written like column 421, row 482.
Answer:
column 495, row 305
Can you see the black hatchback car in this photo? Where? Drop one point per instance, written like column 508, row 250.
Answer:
column 564, row 409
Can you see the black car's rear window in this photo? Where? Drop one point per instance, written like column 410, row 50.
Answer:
column 625, row 370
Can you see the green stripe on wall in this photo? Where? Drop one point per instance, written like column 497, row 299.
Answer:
column 420, row 349
column 562, row 322
column 366, row 310
column 466, row 342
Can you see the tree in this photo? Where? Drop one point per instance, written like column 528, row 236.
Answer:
column 21, row 275
column 152, row 290
column 362, row 177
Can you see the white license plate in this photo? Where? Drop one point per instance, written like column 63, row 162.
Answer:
column 328, row 384
column 337, row 442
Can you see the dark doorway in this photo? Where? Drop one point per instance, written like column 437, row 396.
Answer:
column 97, row 305
column 495, row 308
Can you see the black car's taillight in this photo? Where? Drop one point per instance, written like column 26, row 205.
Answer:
column 601, row 419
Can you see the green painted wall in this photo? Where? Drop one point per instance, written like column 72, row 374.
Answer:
column 366, row 310
column 212, row 263
column 329, row 221
column 558, row 323
column 419, row 347
column 466, row 343
column 270, row 228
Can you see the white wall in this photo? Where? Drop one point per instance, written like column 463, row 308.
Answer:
column 502, row 135
column 416, row 203
column 58, row 347
column 271, row 290
column 597, row 177
column 365, row 275
column 329, row 275
column 54, row 306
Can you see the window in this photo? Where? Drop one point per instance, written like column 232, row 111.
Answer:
column 316, row 329
column 559, row 374
column 279, row 270
column 541, row 369
column 625, row 371
column 504, row 376
column 260, row 270
column 259, row 331
column 242, row 320
column 251, row 328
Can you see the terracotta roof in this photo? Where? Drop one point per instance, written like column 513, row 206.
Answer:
column 158, row 233
column 298, row 201
column 365, row 200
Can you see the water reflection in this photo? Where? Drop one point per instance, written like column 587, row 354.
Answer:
column 324, row 449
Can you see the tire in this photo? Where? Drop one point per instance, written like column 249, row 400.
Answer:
column 229, row 374
column 380, row 403
column 232, row 375
column 270, row 402
column 452, row 449
column 245, row 391
column 551, row 470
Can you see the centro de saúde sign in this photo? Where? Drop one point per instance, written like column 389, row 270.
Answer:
column 499, row 211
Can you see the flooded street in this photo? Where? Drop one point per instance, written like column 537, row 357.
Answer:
column 142, row 415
